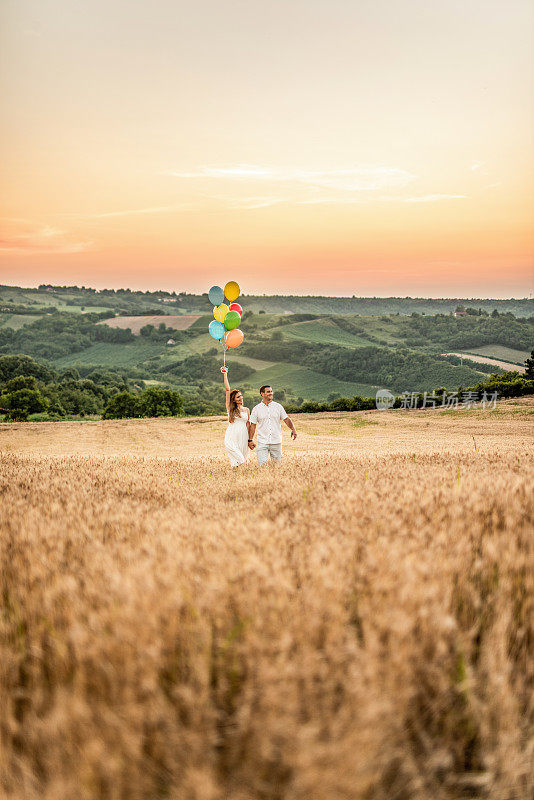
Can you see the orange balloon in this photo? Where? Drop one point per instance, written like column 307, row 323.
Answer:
column 234, row 338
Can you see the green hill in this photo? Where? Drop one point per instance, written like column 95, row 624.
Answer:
column 304, row 382
column 319, row 351
column 323, row 331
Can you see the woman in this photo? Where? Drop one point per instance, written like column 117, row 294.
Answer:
column 237, row 432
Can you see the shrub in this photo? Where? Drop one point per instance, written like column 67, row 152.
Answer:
column 121, row 405
column 153, row 402
column 159, row 402
column 22, row 402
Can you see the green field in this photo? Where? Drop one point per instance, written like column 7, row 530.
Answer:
column 501, row 353
column 255, row 363
column 86, row 309
column 177, row 352
column 16, row 321
column 326, row 331
column 323, row 331
column 333, row 329
column 385, row 329
column 112, row 355
column 306, row 383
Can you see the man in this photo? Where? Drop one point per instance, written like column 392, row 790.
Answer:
column 267, row 416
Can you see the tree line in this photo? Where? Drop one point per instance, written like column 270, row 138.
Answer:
column 28, row 387
column 125, row 300
column 473, row 330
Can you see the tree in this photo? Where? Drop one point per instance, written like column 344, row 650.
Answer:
column 159, row 402
column 70, row 374
column 122, row 405
column 147, row 331
column 21, row 382
column 153, row 402
column 21, row 403
column 529, row 364
column 11, row 366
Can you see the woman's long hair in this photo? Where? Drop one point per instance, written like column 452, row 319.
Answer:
column 234, row 408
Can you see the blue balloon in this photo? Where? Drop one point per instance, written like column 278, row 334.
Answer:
column 216, row 295
column 216, row 329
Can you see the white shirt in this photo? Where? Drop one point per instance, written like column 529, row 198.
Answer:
column 268, row 419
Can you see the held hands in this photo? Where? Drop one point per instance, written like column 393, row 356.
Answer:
column 224, row 370
column 251, row 445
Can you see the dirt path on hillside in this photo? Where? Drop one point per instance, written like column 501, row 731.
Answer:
column 493, row 361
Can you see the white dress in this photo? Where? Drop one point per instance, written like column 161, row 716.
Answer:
column 236, row 440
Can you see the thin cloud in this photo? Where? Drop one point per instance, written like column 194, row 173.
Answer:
column 260, row 201
column 133, row 211
column 239, row 171
column 341, row 200
column 265, row 201
column 352, row 179
column 14, row 248
column 427, row 198
column 431, row 198
column 124, row 212
column 43, row 239
column 478, row 166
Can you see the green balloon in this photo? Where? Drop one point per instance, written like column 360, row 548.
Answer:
column 231, row 320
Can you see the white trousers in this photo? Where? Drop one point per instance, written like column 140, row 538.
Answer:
column 263, row 451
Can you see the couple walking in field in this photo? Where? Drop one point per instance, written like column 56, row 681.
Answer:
column 266, row 417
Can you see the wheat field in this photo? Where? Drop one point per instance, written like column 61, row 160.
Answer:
column 356, row 624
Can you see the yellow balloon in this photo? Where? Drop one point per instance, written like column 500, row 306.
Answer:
column 232, row 291
column 219, row 312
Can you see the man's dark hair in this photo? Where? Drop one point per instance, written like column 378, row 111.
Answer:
column 264, row 387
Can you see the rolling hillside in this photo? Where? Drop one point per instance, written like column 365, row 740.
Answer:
column 310, row 356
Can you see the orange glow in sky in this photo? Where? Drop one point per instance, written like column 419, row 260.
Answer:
column 318, row 147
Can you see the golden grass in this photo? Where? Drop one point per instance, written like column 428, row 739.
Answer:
column 356, row 624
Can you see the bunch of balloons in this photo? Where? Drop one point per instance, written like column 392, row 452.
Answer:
column 224, row 328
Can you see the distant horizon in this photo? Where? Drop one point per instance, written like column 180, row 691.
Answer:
column 274, row 294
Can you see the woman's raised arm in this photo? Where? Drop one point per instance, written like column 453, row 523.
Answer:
column 224, row 371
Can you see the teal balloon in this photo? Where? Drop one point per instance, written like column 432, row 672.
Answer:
column 231, row 320
column 216, row 295
column 216, row 329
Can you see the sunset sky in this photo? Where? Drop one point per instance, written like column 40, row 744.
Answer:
column 368, row 147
